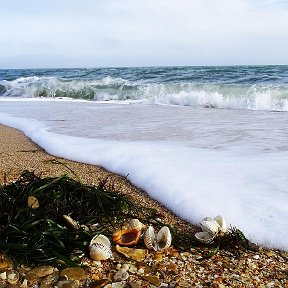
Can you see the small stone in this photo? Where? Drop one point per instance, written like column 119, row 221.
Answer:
column 184, row 284
column 49, row 281
column 284, row 255
column 121, row 275
column 269, row 253
column 39, row 272
column 100, row 283
column 152, row 279
column 73, row 273
column 256, row 257
column 133, row 284
column 158, row 257
column 33, row 202
column 67, row 284
column 172, row 267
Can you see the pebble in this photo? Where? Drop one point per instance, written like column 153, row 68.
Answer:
column 121, row 275
column 152, row 279
column 49, row 281
column 67, row 284
column 100, row 283
column 73, row 273
column 39, row 272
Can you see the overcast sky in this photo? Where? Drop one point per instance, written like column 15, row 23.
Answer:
column 94, row 33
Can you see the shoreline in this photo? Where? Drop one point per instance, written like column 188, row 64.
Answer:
column 19, row 153
column 260, row 268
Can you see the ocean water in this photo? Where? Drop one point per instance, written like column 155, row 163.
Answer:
column 203, row 141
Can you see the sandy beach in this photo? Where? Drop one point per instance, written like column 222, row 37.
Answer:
column 260, row 268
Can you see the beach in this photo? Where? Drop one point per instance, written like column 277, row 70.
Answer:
column 259, row 268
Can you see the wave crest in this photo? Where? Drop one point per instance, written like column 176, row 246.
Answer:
column 222, row 96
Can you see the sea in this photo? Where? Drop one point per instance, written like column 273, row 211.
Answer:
column 204, row 141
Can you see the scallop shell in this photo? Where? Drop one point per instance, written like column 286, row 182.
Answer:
column 161, row 242
column 71, row 222
column 164, row 238
column 150, row 239
column 127, row 237
column 210, row 225
column 204, row 237
column 100, row 251
column 222, row 223
column 100, row 238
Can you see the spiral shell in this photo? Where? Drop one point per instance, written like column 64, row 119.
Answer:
column 100, row 238
column 204, row 237
column 127, row 237
column 210, row 225
column 100, row 251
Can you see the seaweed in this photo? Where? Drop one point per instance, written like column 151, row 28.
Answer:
column 42, row 235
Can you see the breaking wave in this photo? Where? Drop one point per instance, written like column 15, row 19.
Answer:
column 206, row 95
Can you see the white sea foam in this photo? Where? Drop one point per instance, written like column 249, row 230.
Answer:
column 198, row 162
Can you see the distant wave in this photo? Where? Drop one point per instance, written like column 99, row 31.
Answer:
column 206, row 95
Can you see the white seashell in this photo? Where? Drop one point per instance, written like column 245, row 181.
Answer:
column 222, row 223
column 13, row 277
column 164, row 238
column 210, row 225
column 204, row 237
column 136, row 224
column 3, row 275
column 162, row 241
column 150, row 239
column 100, row 251
column 24, row 284
column 100, row 238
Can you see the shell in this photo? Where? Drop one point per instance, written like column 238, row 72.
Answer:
column 150, row 239
column 161, row 242
column 100, row 251
column 13, row 277
column 131, row 253
column 210, row 225
column 100, row 238
column 71, row 222
column 164, row 238
column 204, row 237
column 127, row 237
column 136, row 224
column 33, row 202
column 222, row 223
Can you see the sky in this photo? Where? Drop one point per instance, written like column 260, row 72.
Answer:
column 109, row 33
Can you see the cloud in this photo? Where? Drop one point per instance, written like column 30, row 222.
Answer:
column 134, row 32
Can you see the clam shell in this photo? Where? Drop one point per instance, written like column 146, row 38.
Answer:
column 222, row 223
column 127, row 237
column 164, row 238
column 71, row 222
column 210, row 225
column 204, row 237
column 100, row 251
column 100, row 238
column 150, row 239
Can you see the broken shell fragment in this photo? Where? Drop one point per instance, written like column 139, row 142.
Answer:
column 71, row 222
column 161, row 242
column 100, row 251
column 127, row 237
column 210, row 225
column 222, row 223
column 204, row 237
column 13, row 277
column 100, row 238
column 33, row 202
column 131, row 253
